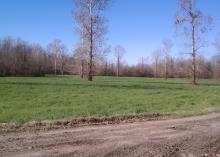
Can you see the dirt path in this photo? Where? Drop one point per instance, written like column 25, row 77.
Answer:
column 194, row 136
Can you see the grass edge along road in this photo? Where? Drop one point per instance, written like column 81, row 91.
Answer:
column 25, row 99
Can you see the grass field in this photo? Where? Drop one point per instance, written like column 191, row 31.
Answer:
column 49, row 98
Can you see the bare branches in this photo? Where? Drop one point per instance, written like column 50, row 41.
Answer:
column 217, row 43
column 91, row 27
column 194, row 24
column 58, row 50
column 189, row 15
column 167, row 46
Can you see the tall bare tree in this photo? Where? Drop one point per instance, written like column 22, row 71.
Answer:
column 194, row 24
column 167, row 46
column 89, row 16
column 119, row 52
column 216, row 58
column 81, row 51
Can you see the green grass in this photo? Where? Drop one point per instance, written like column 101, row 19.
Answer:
column 48, row 98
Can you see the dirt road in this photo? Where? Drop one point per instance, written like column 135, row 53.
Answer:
column 194, row 136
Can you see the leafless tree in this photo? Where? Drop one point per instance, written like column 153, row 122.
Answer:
column 167, row 46
column 204, row 67
column 90, row 20
column 62, row 58
column 54, row 50
column 156, row 57
column 80, row 56
column 216, row 66
column 81, row 52
column 142, row 67
column 119, row 52
column 19, row 58
column 58, row 50
column 216, row 58
column 194, row 24
column 39, row 60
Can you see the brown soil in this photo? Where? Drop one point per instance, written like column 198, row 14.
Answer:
column 48, row 125
column 186, row 137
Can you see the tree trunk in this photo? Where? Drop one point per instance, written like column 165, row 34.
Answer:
column 91, row 44
column 55, row 67
column 118, row 66
column 166, row 73
column 193, row 55
column 62, row 70
column 82, row 69
column 106, row 69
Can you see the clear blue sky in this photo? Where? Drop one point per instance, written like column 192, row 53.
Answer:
column 138, row 25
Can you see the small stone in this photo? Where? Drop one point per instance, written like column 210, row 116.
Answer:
column 29, row 148
column 183, row 155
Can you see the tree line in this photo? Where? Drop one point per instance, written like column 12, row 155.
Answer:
column 20, row 58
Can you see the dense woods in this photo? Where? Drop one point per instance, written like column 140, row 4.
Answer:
column 20, row 58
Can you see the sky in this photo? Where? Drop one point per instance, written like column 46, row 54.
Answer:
column 139, row 26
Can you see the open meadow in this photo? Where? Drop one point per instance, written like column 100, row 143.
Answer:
column 25, row 99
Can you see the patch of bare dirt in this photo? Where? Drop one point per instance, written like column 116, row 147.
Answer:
column 186, row 137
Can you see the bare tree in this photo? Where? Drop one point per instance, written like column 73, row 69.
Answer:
column 90, row 20
column 82, row 50
column 194, row 24
column 19, row 58
column 58, row 51
column 167, row 46
column 216, row 58
column 156, row 56
column 119, row 52
column 142, row 66
column 216, row 66
column 53, row 50
column 81, row 56
column 62, row 58
column 39, row 60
